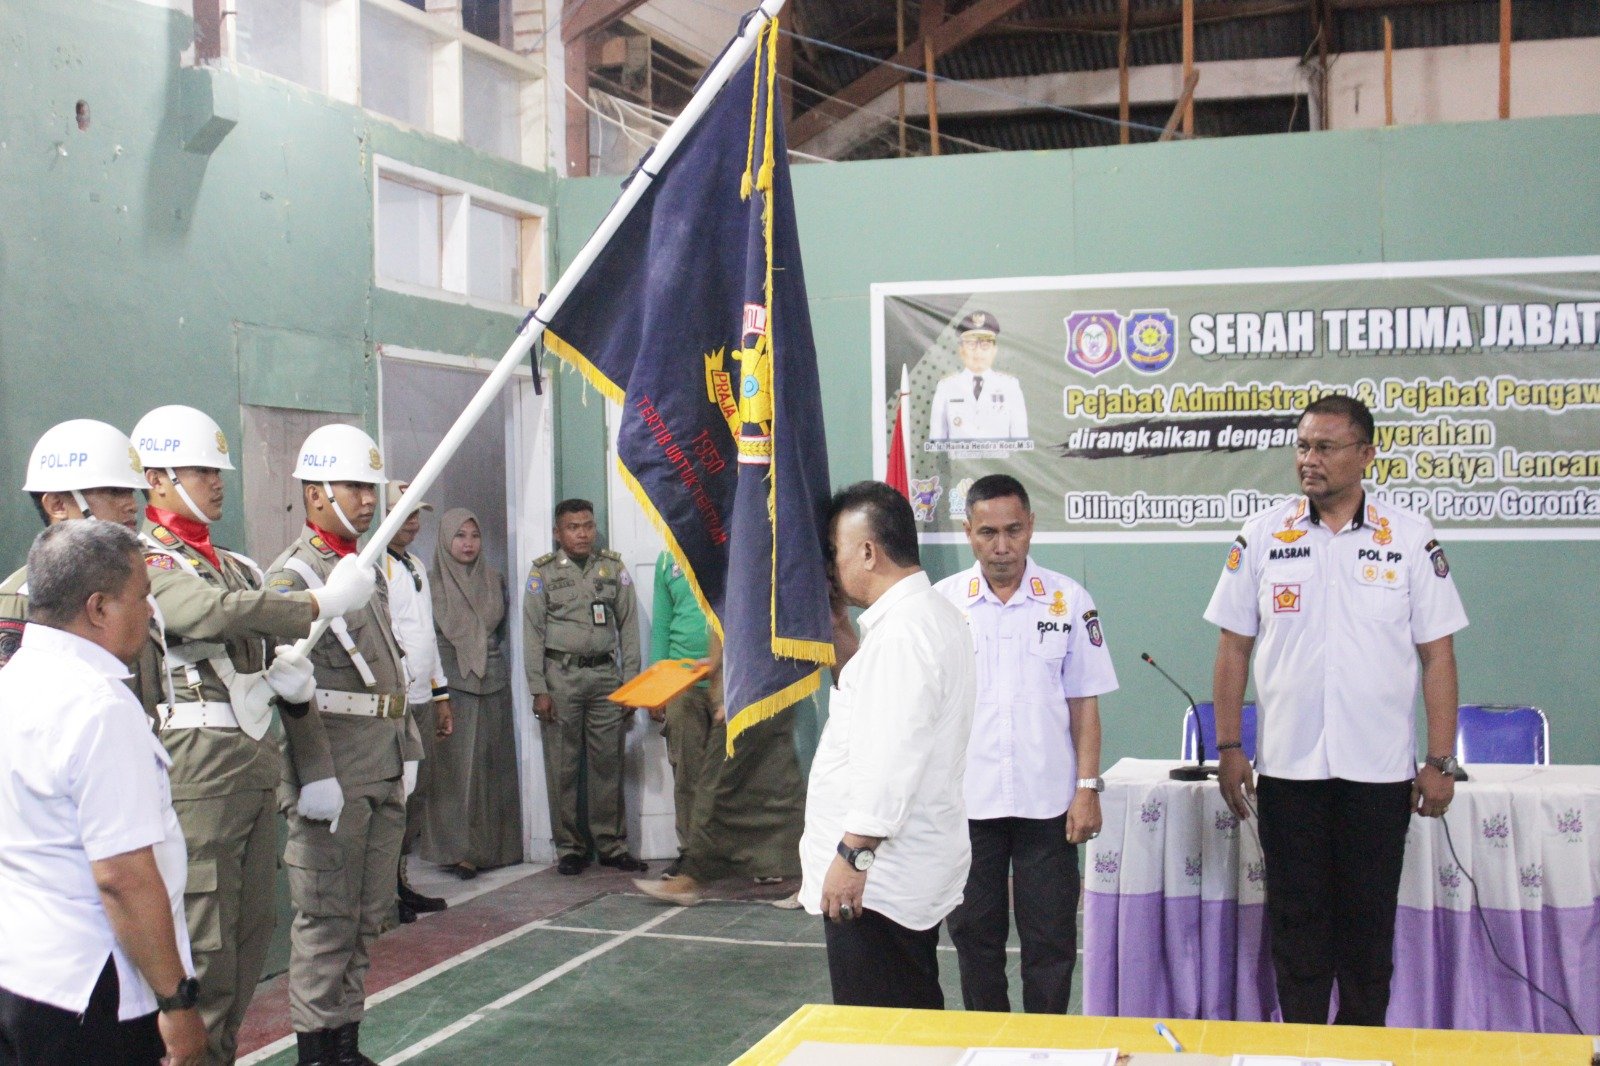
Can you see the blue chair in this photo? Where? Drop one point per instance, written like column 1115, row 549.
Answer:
column 1200, row 732
column 1490, row 733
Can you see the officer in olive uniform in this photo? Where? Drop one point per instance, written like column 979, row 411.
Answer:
column 980, row 402
column 352, row 758
column 78, row 469
column 215, row 708
column 577, row 614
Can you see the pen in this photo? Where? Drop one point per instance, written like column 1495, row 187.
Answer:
column 1166, row 1034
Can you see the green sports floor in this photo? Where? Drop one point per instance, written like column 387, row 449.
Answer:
column 552, row 969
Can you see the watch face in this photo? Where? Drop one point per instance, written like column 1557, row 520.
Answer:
column 863, row 860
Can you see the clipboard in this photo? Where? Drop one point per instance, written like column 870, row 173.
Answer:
column 658, row 685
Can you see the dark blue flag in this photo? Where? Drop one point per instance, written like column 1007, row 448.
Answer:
column 694, row 319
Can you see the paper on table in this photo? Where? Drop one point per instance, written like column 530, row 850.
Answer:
column 1026, row 1056
column 1290, row 1060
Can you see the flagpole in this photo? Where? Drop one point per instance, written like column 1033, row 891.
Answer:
column 738, row 51
column 905, row 421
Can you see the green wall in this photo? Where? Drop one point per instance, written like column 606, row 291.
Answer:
column 1522, row 188
column 134, row 272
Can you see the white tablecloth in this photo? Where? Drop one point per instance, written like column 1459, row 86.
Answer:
column 1175, row 887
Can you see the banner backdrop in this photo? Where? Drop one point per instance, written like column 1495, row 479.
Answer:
column 1162, row 407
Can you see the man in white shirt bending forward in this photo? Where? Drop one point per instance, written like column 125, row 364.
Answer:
column 885, row 852
column 94, row 951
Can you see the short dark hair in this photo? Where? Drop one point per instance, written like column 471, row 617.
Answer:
column 71, row 561
column 997, row 487
column 573, row 506
column 1346, row 406
column 38, row 505
column 889, row 517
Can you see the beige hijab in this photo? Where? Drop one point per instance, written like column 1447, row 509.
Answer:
column 468, row 600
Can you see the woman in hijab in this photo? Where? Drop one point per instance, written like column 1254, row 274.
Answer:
column 475, row 815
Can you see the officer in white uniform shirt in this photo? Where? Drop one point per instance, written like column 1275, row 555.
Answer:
column 1341, row 597
column 1033, row 763
column 95, row 964
column 979, row 403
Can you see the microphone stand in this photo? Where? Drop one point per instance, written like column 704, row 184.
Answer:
column 1199, row 771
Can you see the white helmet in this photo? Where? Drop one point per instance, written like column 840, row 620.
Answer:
column 176, row 435
column 340, row 453
column 83, row 454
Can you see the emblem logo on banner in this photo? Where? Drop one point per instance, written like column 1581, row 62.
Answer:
column 924, row 495
column 958, row 498
column 1151, row 340
column 1094, row 340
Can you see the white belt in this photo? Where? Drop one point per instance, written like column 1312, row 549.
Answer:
column 208, row 715
column 360, row 704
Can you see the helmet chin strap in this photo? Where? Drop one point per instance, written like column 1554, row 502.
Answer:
column 183, row 494
column 327, row 487
column 83, row 505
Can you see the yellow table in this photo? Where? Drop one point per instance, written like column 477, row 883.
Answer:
column 818, row 1024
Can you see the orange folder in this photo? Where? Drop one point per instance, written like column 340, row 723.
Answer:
column 657, row 686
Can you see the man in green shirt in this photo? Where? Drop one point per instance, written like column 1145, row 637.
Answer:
column 678, row 631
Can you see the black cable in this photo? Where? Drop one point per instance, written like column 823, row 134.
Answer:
column 1477, row 907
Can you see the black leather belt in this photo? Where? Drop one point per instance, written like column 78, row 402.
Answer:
column 569, row 658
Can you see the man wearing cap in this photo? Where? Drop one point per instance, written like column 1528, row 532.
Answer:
column 213, row 705
column 79, row 469
column 427, row 688
column 352, row 757
column 979, row 403
column 577, row 615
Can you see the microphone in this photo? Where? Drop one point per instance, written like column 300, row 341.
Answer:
column 1199, row 771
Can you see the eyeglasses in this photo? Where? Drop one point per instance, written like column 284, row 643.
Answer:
column 1323, row 448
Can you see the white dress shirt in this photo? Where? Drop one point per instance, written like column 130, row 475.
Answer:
column 891, row 759
column 999, row 411
column 411, row 612
column 1337, row 617
column 1034, row 652
column 82, row 778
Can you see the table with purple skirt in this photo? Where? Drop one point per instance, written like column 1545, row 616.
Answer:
column 1174, row 892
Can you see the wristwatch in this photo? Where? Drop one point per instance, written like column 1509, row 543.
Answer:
column 860, row 859
column 186, row 996
column 1445, row 764
column 1093, row 784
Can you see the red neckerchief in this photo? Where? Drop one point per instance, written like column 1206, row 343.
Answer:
column 194, row 533
column 341, row 546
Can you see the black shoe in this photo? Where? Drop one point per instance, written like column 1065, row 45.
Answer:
column 347, row 1046
column 316, row 1049
column 624, row 862
column 410, row 897
column 572, row 864
column 673, row 869
column 464, row 870
column 405, row 912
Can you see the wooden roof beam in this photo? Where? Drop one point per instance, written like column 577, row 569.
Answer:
column 950, row 34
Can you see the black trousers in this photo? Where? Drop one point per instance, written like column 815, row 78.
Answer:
column 1035, row 853
column 1334, row 850
column 874, row 962
column 37, row 1034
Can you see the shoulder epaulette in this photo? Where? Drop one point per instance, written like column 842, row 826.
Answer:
column 322, row 546
column 544, row 559
column 165, row 536
column 607, row 553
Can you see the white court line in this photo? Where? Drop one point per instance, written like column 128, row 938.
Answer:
column 264, row 1053
column 700, row 939
column 526, row 990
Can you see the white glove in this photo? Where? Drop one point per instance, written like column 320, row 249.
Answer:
column 290, row 675
column 347, row 589
column 409, row 772
column 322, row 801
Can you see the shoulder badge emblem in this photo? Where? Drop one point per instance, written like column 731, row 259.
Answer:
column 1091, row 625
column 535, row 583
column 159, row 561
column 1236, row 555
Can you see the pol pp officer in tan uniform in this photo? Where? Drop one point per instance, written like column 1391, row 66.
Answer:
column 578, row 613
column 352, row 758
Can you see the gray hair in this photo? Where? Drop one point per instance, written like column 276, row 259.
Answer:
column 71, row 561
